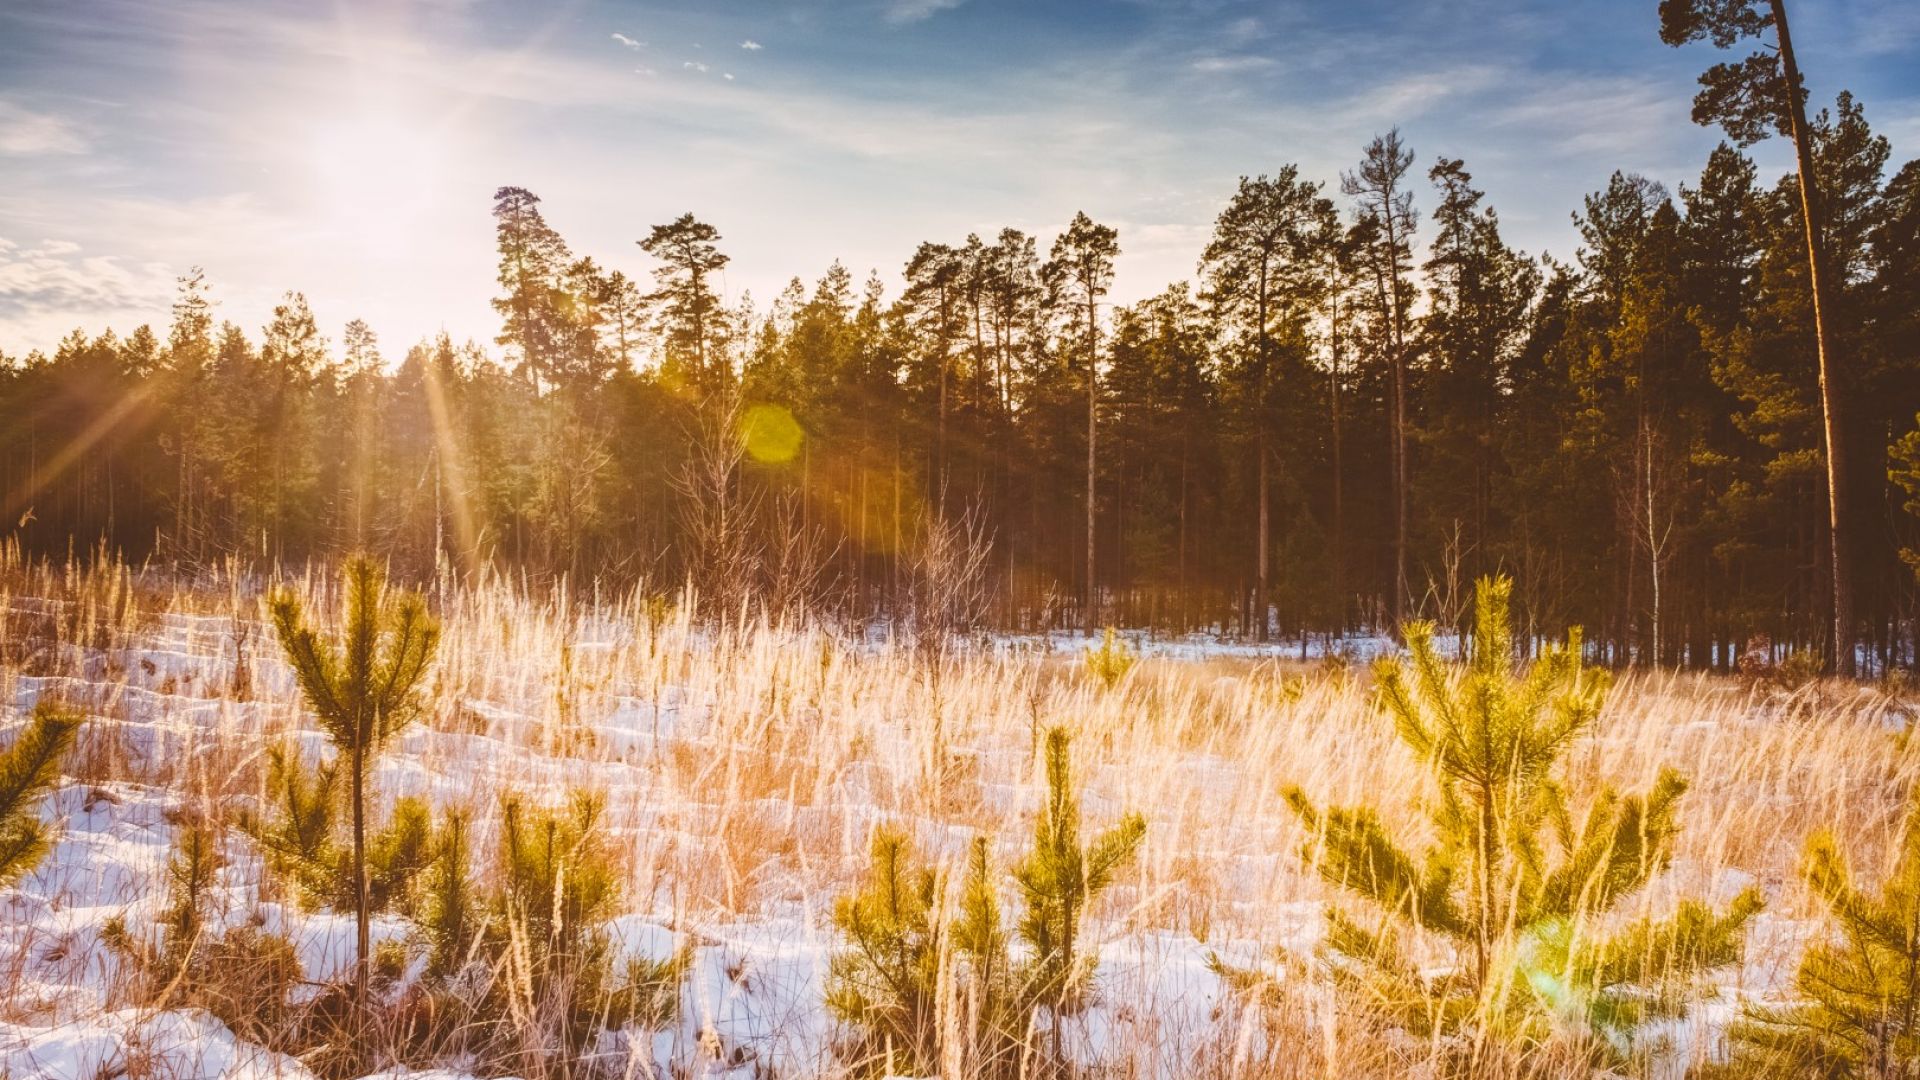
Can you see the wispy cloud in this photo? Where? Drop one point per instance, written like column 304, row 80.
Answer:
column 54, row 281
column 695, row 65
column 912, row 11
column 1227, row 65
column 750, row 45
column 627, row 41
column 27, row 133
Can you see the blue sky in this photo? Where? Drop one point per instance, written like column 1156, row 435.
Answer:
column 349, row 148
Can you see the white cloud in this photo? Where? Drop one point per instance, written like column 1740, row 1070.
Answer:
column 912, row 11
column 751, row 45
column 26, row 133
column 695, row 65
column 727, row 75
column 1227, row 65
column 48, row 287
column 627, row 41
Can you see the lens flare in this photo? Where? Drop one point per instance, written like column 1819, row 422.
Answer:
column 771, row 435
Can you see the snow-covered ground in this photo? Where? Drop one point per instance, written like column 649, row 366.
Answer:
column 743, row 805
column 752, row 1005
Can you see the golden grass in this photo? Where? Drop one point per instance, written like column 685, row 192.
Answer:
column 778, row 747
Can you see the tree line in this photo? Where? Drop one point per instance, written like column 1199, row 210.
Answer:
column 1364, row 400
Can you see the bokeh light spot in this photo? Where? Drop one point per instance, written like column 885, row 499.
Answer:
column 771, row 434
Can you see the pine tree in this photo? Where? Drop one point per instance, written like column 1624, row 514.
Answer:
column 1111, row 661
column 29, row 769
column 1266, row 264
column 691, row 320
column 1515, row 880
column 998, row 1002
column 559, row 885
column 450, row 909
column 1757, row 97
column 1480, row 295
column 931, row 306
column 533, row 258
column 886, row 982
column 1059, row 880
column 1385, row 214
column 1078, row 273
column 1859, row 1013
column 243, row 975
column 363, row 690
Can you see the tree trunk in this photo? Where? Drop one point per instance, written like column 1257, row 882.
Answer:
column 1339, row 510
column 1838, row 531
column 1266, row 542
column 363, row 947
column 1089, row 617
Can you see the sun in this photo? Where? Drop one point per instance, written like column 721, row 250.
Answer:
column 375, row 175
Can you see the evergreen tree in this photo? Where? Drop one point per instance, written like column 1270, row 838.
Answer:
column 932, row 307
column 292, row 356
column 1078, row 273
column 1515, row 880
column 886, row 983
column 363, row 691
column 1384, row 205
column 559, row 887
column 1859, row 1013
column 689, row 314
column 1757, row 97
column 29, row 769
column 1481, row 296
column 1267, row 265
column 533, row 259
column 1059, row 880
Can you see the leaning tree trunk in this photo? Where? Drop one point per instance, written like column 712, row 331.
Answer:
column 1838, row 532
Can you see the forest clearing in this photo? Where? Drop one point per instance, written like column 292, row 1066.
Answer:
column 959, row 540
column 740, row 772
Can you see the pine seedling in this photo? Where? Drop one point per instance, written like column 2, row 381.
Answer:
column 1515, row 881
column 560, row 885
column 650, row 999
column 363, row 690
column 1059, row 879
column 301, row 844
column 244, row 976
column 885, row 984
column 192, row 873
column 29, row 769
column 297, row 836
column 1111, row 661
column 450, row 912
column 997, row 1003
column 1859, row 1013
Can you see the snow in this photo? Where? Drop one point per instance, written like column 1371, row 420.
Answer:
column 753, row 1000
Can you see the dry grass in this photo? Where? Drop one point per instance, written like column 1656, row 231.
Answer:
column 745, row 765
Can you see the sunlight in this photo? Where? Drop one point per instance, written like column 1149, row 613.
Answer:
column 375, row 169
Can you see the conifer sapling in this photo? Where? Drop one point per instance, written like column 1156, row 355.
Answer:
column 363, row 690
column 1859, row 1013
column 1516, row 880
column 28, row 771
column 1060, row 879
column 885, row 982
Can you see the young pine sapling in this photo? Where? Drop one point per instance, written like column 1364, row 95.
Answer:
column 28, row 771
column 1516, row 882
column 363, row 689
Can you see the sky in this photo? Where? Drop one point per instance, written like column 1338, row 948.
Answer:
column 349, row 149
